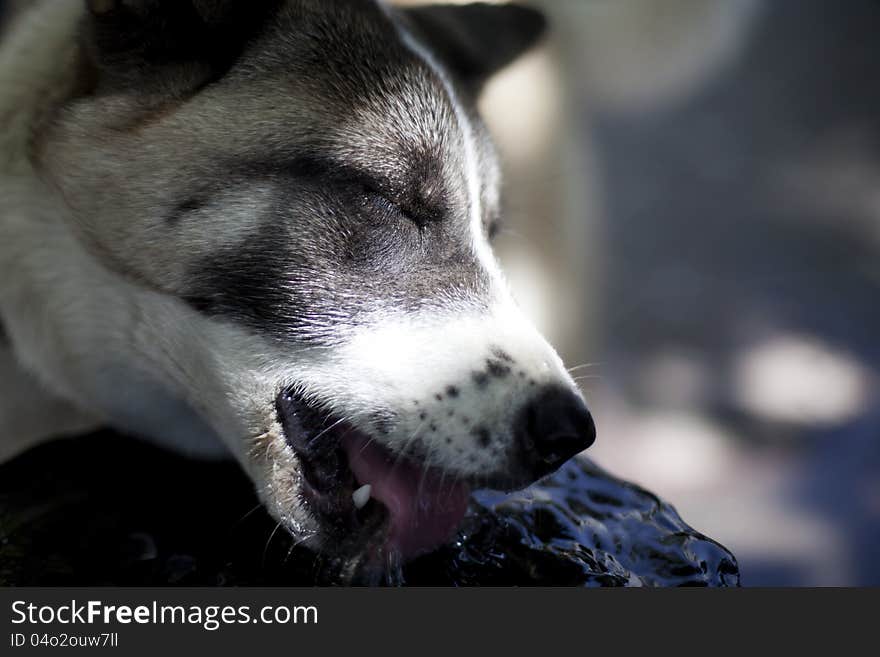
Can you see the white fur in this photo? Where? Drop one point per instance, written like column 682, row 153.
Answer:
column 29, row 414
column 402, row 363
column 147, row 363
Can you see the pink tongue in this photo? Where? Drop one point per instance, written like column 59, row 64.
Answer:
column 424, row 511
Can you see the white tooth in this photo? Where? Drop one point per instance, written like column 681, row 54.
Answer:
column 361, row 496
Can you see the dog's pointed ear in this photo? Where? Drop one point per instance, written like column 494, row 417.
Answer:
column 477, row 40
column 130, row 40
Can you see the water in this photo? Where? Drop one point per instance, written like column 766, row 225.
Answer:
column 104, row 510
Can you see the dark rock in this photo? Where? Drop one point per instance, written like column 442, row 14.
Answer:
column 107, row 510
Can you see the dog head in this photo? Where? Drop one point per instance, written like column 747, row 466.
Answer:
column 308, row 185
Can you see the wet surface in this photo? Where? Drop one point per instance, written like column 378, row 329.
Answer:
column 105, row 510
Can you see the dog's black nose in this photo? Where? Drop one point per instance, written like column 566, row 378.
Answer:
column 552, row 428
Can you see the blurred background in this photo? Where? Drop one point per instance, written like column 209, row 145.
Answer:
column 694, row 218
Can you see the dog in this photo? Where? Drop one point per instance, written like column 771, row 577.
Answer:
column 265, row 228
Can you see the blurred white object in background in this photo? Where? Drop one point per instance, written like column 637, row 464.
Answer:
column 798, row 379
column 636, row 55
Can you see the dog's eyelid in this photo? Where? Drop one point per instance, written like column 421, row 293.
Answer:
column 418, row 210
column 363, row 182
column 329, row 169
column 367, row 184
column 418, row 219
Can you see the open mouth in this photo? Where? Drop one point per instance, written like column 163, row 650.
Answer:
column 369, row 498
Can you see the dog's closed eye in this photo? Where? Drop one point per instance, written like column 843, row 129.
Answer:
column 379, row 202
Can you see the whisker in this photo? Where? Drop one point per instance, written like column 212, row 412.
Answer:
column 402, row 454
column 332, row 426
column 582, row 366
column 369, row 442
column 268, row 541
column 246, row 515
column 587, row 377
column 296, row 544
column 424, row 474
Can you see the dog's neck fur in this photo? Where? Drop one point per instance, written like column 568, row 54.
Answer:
column 40, row 68
column 44, row 263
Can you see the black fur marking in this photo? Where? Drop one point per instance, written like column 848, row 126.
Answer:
column 502, row 355
column 190, row 205
column 478, row 39
column 483, row 436
column 481, row 379
column 497, row 369
column 321, row 261
column 138, row 44
column 452, row 391
column 384, row 421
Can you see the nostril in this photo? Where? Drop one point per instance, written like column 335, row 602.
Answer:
column 552, row 428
